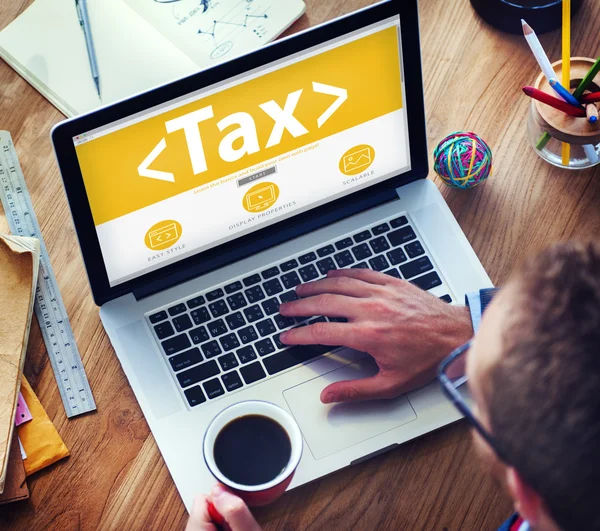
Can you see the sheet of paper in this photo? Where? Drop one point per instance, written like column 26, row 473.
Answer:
column 23, row 414
column 212, row 31
column 47, row 47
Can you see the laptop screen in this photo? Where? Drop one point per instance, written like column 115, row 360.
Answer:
column 183, row 177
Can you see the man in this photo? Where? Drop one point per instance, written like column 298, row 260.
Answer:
column 533, row 373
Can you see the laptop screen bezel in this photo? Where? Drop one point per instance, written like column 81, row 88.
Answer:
column 62, row 137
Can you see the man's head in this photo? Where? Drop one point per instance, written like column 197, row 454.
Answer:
column 534, row 372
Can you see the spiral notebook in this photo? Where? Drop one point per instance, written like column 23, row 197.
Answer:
column 139, row 43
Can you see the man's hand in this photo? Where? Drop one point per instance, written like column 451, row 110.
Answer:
column 407, row 331
column 234, row 511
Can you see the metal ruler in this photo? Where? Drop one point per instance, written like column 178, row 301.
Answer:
column 49, row 308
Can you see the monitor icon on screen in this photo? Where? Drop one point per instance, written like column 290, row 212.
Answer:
column 261, row 197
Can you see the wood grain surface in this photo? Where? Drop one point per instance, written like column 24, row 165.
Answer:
column 116, row 478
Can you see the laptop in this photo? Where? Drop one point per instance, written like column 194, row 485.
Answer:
column 200, row 206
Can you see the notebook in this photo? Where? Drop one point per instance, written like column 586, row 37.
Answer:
column 139, row 43
column 19, row 261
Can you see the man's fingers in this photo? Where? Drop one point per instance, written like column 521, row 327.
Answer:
column 199, row 518
column 324, row 304
column 331, row 334
column 355, row 390
column 233, row 509
column 340, row 285
column 366, row 275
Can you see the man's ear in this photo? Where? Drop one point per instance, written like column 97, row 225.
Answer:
column 527, row 502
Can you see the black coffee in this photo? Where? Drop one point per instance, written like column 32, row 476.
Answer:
column 252, row 450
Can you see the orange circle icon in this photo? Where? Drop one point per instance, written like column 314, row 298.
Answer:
column 357, row 159
column 163, row 235
column 260, row 197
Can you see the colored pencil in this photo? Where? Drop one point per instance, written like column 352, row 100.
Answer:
column 546, row 98
column 593, row 97
column 591, row 112
column 566, row 65
column 538, row 51
column 564, row 93
column 585, row 82
column 591, row 153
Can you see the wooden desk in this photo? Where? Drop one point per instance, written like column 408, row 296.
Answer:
column 115, row 477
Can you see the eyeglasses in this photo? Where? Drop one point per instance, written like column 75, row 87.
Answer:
column 453, row 378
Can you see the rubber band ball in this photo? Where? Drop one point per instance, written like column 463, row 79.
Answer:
column 463, row 160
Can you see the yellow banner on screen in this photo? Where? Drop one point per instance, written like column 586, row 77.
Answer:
column 242, row 126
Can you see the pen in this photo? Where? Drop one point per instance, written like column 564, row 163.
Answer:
column 564, row 93
column 567, row 108
column 84, row 21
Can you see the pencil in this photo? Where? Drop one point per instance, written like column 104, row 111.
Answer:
column 546, row 98
column 564, row 93
column 538, row 51
column 590, row 98
column 585, row 82
column 566, row 65
column 591, row 112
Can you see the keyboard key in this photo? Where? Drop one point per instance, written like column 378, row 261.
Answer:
column 213, row 388
column 344, row 259
column 228, row 361
column 254, row 313
column 198, row 373
column 283, row 322
column 156, row 317
column 264, row 347
column 176, row 344
column 446, row 298
column 232, row 288
column 289, row 296
column 428, row 281
column 253, row 372
column 398, row 222
column 195, row 302
column 327, row 264
column 163, row 330
column 271, row 306
column 344, row 244
column 176, row 310
column 266, row 327
column 200, row 315
column 277, row 340
column 235, row 320
column 379, row 245
column 214, row 294
column 211, row 349
column 361, row 265
column 185, row 359
column 195, row 396
column 317, row 320
column 337, row 319
column 308, row 273
column 400, row 236
column 247, row 334
column 380, row 229
column 293, row 356
column 414, row 249
column 255, row 294
column 324, row 251
column 246, row 354
column 416, row 267
column 218, row 308
column 236, row 301
column 306, row 258
column 393, row 273
column 362, row 251
column 397, row 256
column 216, row 328
column 290, row 280
column 270, row 273
column 379, row 263
column 199, row 335
column 289, row 265
column 229, row 342
column 232, row 381
column 362, row 236
column 251, row 280
column 272, row 287
column 182, row 323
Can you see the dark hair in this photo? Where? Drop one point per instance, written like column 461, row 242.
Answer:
column 544, row 400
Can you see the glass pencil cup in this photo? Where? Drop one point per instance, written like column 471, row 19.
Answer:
column 548, row 129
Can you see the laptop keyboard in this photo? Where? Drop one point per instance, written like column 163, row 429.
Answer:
column 224, row 339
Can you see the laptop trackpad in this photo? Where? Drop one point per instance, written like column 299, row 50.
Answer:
column 334, row 427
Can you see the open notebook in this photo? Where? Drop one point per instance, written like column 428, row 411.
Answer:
column 139, row 43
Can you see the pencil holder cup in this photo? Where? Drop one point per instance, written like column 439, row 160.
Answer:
column 548, row 128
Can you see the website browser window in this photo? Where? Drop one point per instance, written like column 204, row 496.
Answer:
column 188, row 175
